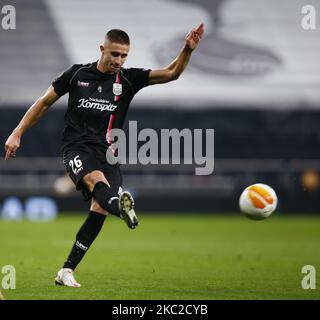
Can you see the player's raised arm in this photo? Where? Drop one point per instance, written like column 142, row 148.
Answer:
column 177, row 66
column 33, row 114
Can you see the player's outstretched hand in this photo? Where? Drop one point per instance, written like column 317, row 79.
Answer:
column 194, row 36
column 11, row 146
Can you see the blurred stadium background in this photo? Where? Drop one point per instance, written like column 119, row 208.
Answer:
column 255, row 79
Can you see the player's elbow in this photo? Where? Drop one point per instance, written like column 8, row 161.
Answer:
column 47, row 99
column 163, row 76
column 174, row 76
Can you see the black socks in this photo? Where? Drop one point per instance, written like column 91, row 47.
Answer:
column 84, row 238
column 107, row 199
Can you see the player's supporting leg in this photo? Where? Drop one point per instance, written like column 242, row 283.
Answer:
column 84, row 238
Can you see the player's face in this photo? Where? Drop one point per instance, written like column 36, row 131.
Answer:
column 114, row 55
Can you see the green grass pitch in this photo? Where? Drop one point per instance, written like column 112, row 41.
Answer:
column 175, row 257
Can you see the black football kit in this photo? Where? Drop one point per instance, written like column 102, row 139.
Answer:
column 98, row 102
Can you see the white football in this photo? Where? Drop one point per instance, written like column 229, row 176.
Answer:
column 258, row 201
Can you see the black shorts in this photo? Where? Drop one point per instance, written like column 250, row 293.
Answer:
column 80, row 160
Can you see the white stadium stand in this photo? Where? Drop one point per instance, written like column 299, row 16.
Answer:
column 254, row 53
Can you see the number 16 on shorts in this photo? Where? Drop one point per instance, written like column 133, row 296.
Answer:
column 76, row 165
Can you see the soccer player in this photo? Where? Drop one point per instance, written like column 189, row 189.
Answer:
column 99, row 98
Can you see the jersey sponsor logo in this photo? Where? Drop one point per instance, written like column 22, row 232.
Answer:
column 97, row 104
column 82, row 84
column 117, row 89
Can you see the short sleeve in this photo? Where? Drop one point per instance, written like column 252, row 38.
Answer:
column 139, row 78
column 61, row 84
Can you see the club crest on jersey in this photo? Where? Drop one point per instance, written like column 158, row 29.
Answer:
column 100, row 89
column 117, row 89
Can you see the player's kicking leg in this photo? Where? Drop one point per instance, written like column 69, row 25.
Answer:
column 126, row 208
column 105, row 193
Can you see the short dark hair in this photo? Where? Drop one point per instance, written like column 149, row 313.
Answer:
column 117, row 36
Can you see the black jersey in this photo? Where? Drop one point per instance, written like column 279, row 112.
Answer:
column 98, row 102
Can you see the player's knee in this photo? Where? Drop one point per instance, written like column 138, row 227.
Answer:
column 92, row 178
